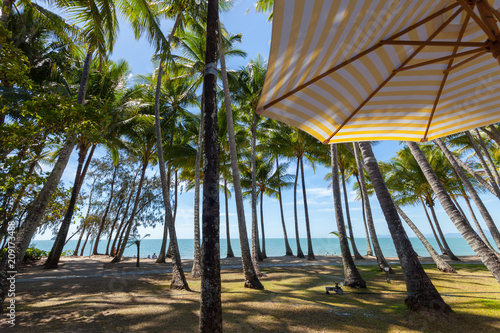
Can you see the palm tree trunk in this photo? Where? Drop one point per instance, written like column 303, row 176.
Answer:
column 369, row 251
column 493, row 134
column 52, row 261
column 256, row 253
column 474, row 174
column 251, row 278
column 264, row 255
column 421, row 292
column 120, row 205
column 37, row 210
column 121, row 228
column 382, row 263
column 488, row 257
column 440, row 232
column 6, row 9
column 89, row 232
column 75, row 252
column 352, row 278
column 288, row 250
column 442, row 265
column 196, row 270
column 131, row 221
column 479, row 155
column 478, row 226
column 230, row 253
column 310, row 252
column 297, row 237
column 178, row 277
column 106, row 210
column 488, row 157
column 211, row 307
column 348, row 215
column 443, row 251
column 475, row 197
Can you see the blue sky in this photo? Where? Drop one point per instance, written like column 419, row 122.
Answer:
column 256, row 31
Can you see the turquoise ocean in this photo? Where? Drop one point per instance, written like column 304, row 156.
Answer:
column 275, row 247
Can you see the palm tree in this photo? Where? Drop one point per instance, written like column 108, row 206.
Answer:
column 477, row 200
column 488, row 257
column 421, row 292
column 378, row 251
column 352, row 278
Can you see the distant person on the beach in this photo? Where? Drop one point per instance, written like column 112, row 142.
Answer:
column 154, row 255
column 149, row 256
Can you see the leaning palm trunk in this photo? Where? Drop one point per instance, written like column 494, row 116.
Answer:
column 352, row 278
column 369, row 251
column 483, row 163
column 440, row 232
column 178, row 278
column 478, row 226
column 348, row 215
column 297, row 237
column 196, row 270
column 442, row 265
column 443, row 251
column 105, row 215
column 493, row 134
column 488, row 157
column 382, row 263
column 52, row 261
column 251, row 278
column 163, row 253
column 488, row 257
column 310, row 252
column 421, row 292
column 475, row 197
column 37, row 210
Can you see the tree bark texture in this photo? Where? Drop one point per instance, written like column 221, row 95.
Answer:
column 211, row 308
column 355, row 251
column 422, row 295
column 256, row 253
column 310, row 252
column 352, row 278
column 488, row 257
column 288, row 250
column 230, row 253
column 251, row 278
column 297, row 237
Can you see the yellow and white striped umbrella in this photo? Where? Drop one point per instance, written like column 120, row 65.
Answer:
column 355, row 70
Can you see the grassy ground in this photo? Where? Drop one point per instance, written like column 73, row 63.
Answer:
column 294, row 301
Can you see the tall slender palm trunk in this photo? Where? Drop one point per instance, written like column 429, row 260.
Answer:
column 82, row 232
column 310, row 252
column 488, row 257
column 251, row 278
column 478, row 226
column 297, row 237
column 421, row 292
column 475, row 197
column 230, row 253
column 369, row 251
column 440, row 232
column 178, row 278
column 348, row 215
column 288, row 249
column 488, row 157
column 479, row 155
column 211, row 308
column 264, row 255
column 382, row 262
column 443, row 251
column 256, row 253
column 196, row 270
column 352, row 278
column 442, row 265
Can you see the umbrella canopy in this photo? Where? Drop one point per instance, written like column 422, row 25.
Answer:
column 357, row 70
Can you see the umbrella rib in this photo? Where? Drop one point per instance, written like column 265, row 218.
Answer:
column 437, row 43
column 480, row 54
column 347, row 62
column 420, row 48
column 438, row 60
column 477, row 19
column 445, row 77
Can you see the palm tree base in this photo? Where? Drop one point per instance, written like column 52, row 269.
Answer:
column 178, row 285
column 254, row 283
column 430, row 304
column 355, row 283
column 310, row 256
column 115, row 260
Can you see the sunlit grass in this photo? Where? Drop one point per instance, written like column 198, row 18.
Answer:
column 294, row 301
